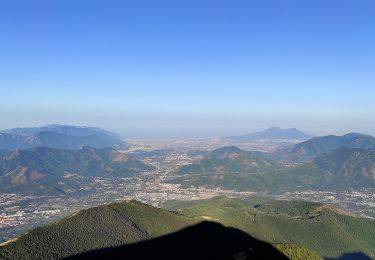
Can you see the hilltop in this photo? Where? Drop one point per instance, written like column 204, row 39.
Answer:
column 206, row 240
column 231, row 160
column 104, row 226
column 343, row 168
column 109, row 230
column 314, row 226
column 296, row 228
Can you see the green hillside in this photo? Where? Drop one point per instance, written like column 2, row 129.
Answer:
column 231, row 160
column 229, row 167
column 295, row 252
column 237, row 169
column 319, row 228
column 120, row 224
column 105, row 226
column 341, row 169
column 296, row 228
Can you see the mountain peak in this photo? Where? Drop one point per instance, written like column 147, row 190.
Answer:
column 274, row 128
column 227, row 151
column 274, row 133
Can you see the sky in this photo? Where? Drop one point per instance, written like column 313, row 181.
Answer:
column 189, row 68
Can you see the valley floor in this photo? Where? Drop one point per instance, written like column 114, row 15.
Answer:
column 21, row 213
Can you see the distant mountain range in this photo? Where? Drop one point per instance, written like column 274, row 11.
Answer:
column 335, row 168
column 343, row 169
column 115, row 231
column 59, row 136
column 329, row 162
column 273, row 133
column 235, row 169
column 44, row 170
column 231, row 160
column 320, row 145
column 66, row 165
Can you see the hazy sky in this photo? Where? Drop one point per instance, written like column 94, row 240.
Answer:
column 189, row 67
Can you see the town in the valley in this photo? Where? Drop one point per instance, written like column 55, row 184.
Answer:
column 19, row 213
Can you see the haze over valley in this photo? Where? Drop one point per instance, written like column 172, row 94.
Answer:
column 189, row 129
column 44, row 183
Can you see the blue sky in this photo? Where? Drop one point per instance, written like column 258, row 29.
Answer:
column 189, row 67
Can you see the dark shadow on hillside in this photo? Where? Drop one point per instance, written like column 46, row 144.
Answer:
column 352, row 256
column 207, row 240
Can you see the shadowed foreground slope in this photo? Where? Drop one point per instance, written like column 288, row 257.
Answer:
column 116, row 229
column 324, row 230
column 110, row 225
column 207, row 240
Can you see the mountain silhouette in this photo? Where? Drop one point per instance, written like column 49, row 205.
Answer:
column 206, row 240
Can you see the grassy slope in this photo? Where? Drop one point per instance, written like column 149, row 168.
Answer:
column 289, row 225
column 295, row 252
column 317, row 227
column 110, row 225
